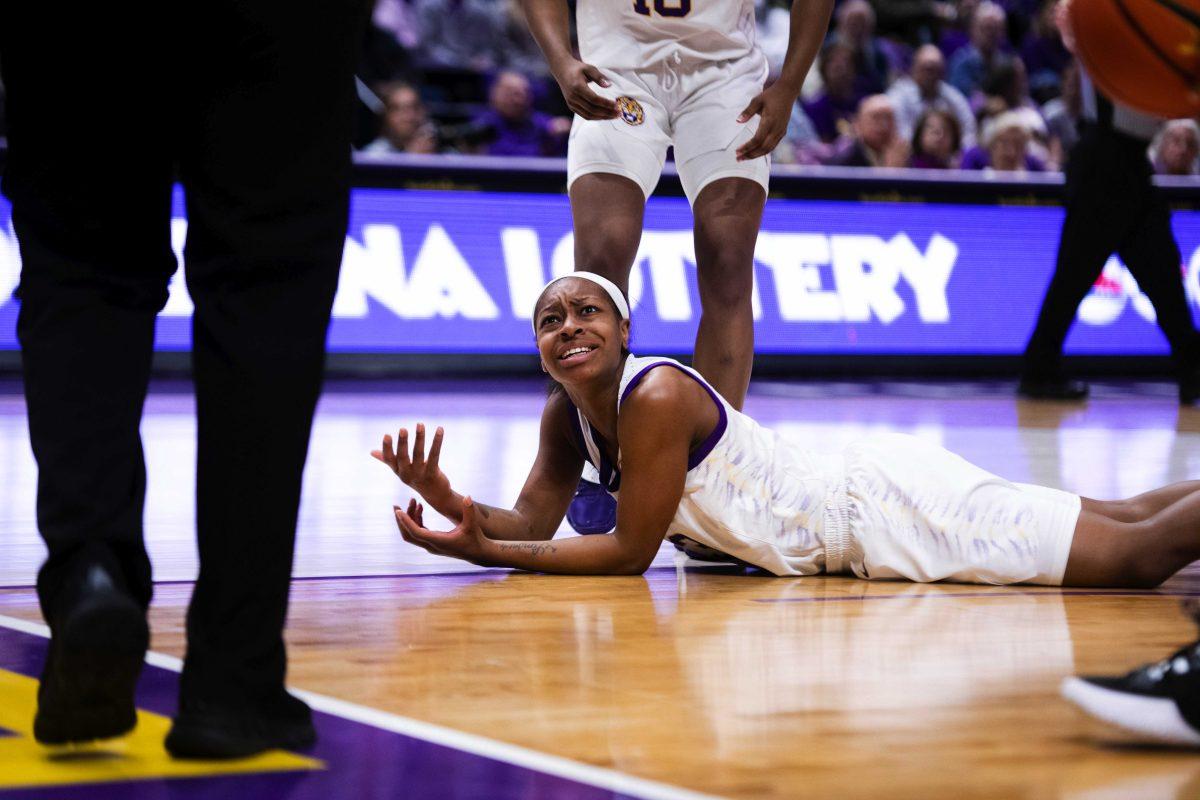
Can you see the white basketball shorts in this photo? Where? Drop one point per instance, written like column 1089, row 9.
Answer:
column 692, row 106
column 917, row 511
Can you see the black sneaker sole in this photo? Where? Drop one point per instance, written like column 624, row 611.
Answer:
column 226, row 738
column 1143, row 717
column 95, row 659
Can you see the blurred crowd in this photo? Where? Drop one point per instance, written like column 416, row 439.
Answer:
column 928, row 84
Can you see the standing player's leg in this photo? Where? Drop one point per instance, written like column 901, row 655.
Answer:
column 612, row 167
column 727, row 198
column 266, row 173
column 607, row 211
column 728, row 213
column 1152, row 256
column 92, row 214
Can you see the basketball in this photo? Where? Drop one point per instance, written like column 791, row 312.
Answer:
column 1142, row 53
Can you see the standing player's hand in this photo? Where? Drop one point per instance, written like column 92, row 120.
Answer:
column 774, row 107
column 573, row 79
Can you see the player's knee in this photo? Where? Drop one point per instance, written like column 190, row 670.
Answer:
column 726, row 280
column 1129, row 510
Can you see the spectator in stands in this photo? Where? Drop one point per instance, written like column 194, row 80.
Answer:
column 461, row 34
column 390, row 44
column 1045, row 57
column 1005, row 147
column 774, row 21
column 1176, row 148
column 518, row 51
column 914, row 20
column 406, row 125
column 801, row 144
column 925, row 89
column 1062, row 115
column 876, row 142
column 398, row 18
column 937, row 140
column 832, row 110
column 511, row 127
column 1006, row 90
column 971, row 63
column 955, row 34
column 855, row 28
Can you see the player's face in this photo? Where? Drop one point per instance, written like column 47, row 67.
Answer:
column 405, row 113
column 580, row 334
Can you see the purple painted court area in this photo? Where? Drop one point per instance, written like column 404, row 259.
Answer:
column 362, row 761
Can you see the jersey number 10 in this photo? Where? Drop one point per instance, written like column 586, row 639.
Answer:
column 664, row 8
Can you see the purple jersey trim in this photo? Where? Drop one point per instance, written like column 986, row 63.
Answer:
column 610, row 478
column 706, row 447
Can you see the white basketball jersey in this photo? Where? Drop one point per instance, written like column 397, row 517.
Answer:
column 747, row 494
column 636, row 34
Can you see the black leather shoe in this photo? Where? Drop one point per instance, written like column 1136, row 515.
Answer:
column 97, row 647
column 210, row 731
column 1052, row 389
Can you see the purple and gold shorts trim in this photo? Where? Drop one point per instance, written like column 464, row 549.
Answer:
column 353, row 759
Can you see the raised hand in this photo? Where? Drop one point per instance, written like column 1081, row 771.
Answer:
column 574, row 79
column 418, row 470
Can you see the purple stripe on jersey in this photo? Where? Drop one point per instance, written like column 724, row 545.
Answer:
column 361, row 761
column 610, row 478
column 700, row 453
column 573, row 415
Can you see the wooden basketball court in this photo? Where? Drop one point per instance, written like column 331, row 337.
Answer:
column 437, row 679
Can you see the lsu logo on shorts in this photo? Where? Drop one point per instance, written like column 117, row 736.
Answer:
column 631, row 110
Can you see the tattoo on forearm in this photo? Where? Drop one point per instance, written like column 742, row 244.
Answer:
column 533, row 548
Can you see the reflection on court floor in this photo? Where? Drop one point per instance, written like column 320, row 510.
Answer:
column 436, row 679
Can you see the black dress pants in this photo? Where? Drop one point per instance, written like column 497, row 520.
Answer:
column 248, row 105
column 1112, row 207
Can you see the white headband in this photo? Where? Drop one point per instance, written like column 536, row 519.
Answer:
column 604, row 283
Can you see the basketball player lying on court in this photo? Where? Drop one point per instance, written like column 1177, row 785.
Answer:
column 690, row 468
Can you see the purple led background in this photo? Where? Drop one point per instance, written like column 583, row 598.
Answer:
column 450, row 271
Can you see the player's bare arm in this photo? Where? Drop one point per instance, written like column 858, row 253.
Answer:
column 668, row 417
column 551, row 28
column 809, row 23
column 541, row 504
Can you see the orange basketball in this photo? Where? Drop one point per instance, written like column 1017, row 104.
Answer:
column 1142, row 53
